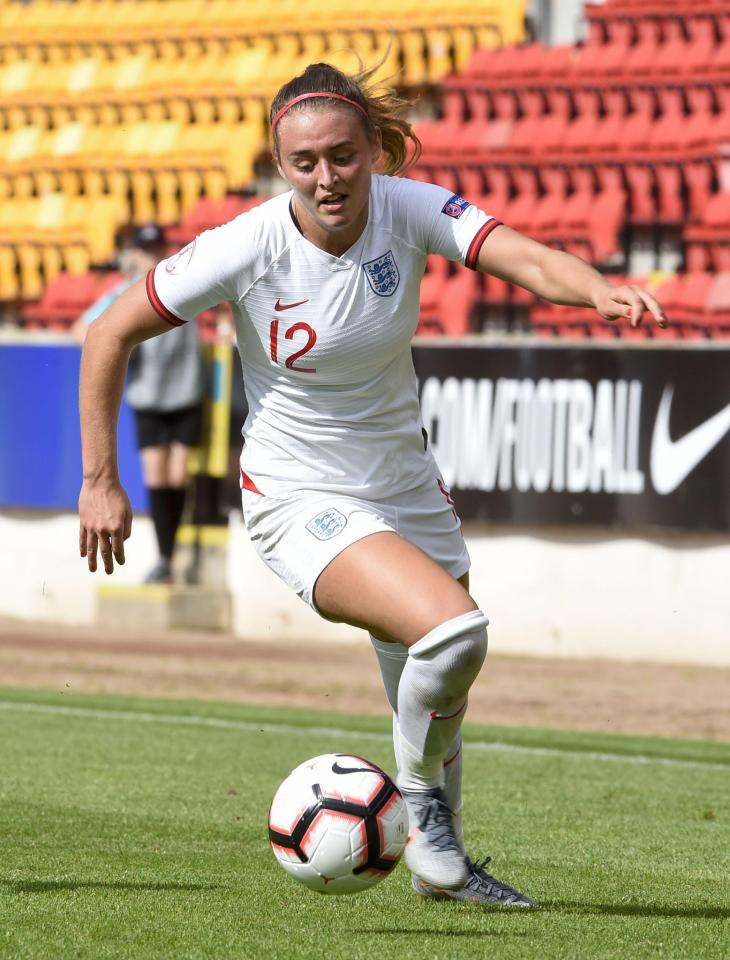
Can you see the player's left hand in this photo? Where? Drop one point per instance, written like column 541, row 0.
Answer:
column 630, row 302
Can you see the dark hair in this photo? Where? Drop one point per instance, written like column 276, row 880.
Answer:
column 382, row 106
column 149, row 235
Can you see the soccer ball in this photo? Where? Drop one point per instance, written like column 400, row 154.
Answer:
column 338, row 824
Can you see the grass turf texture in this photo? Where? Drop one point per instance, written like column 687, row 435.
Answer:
column 137, row 829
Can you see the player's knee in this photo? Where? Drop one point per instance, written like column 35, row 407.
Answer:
column 459, row 647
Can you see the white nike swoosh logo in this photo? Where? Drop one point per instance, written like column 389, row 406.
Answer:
column 673, row 460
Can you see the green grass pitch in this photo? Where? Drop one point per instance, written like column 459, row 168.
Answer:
column 137, row 829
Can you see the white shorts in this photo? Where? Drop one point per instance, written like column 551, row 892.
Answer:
column 298, row 537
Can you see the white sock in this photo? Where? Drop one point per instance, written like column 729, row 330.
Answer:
column 432, row 697
column 392, row 658
column 452, row 785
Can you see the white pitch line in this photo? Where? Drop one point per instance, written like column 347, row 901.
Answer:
column 306, row 731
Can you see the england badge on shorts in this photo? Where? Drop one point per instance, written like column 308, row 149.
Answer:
column 382, row 274
column 327, row 524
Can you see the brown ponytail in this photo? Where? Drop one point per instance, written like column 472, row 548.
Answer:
column 376, row 107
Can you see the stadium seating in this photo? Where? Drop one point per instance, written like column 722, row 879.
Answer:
column 158, row 109
column 152, row 105
column 65, row 299
column 606, row 146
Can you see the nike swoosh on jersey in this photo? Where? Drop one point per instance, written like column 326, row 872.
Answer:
column 673, row 460
column 279, row 306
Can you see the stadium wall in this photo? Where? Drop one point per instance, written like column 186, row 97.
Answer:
column 580, row 594
column 609, row 540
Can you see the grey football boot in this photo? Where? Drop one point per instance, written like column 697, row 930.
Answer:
column 480, row 888
column 433, row 853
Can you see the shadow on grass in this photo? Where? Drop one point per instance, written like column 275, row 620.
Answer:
column 637, row 910
column 52, row 886
column 401, row 931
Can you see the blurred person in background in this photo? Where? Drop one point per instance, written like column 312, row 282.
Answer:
column 165, row 389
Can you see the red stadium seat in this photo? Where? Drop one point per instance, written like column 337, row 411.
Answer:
column 708, row 242
column 717, row 306
column 65, row 299
column 446, row 302
column 432, row 285
column 457, row 300
column 691, row 296
column 207, row 214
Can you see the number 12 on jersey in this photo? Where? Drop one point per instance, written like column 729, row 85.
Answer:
column 289, row 335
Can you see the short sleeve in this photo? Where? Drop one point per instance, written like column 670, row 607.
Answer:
column 215, row 267
column 443, row 222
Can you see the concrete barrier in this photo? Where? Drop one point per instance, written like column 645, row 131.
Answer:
column 549, row 594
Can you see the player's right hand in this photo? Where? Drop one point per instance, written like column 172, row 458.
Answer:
column 105, row 516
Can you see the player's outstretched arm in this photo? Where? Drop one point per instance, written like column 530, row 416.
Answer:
column 562, row 278
column 105, row 514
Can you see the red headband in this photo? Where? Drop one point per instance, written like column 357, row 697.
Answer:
column 310, row 96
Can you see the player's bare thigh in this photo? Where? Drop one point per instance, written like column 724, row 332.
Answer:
column 388, row 586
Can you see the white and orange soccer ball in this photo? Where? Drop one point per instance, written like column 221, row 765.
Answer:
column 338, row 824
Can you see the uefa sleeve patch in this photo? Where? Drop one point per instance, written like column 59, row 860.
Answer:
column 455, row 206
column 327, row 524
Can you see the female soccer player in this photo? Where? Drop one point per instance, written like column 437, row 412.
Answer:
column 342, row 497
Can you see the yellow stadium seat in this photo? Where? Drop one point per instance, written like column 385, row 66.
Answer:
column 249, row 67
column 23, row 185
column 50, row 211
column 166, row 191
column 203, row 111
column 60, row 115
column 9, row 282
column 46, row 181
column 82, row 76
column 76, row 259
column 229, row 109
column 68, row 140
column 131, row 113
column 243, row 144
column 386, row 49
column 70, row 182
column 314, row 47
column 16, row 77
column 118, row 185
column 256, row 108
column 143, row 205
column 29, row 262
column 52, row 261
column 22, row 144
column 93, row 182
column 464, row 41
column 412, row 44
column 438, row 47
column 39, row 115
column 215, row 184
column 191, row 187
column 130, row 73
column 345, row 60
column 101, row 218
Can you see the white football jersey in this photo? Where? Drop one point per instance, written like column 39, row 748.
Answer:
column 325, row 340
